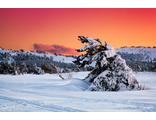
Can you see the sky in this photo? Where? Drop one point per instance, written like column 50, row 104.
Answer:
column 56, row 30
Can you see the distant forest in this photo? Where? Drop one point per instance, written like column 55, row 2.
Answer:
column 137, row 62
column 139, row 47
column 134, row 61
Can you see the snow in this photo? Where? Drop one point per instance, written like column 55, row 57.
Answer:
column 50, row 93
column 10, row 60
column 151, row 52
column 93, row 43
column 55, row 58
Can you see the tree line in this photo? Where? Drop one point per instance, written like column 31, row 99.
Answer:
column 29, row 63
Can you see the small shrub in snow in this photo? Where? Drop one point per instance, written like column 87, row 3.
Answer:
column 70, row 75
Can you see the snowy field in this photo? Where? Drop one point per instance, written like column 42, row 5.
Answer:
column 49, row 93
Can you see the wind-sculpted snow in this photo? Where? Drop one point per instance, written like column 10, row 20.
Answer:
column 48, row 93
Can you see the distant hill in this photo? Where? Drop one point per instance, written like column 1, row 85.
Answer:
column 145, row 57
column 61, row 58
column 138, row 53
column 39, row 58
column 128, row 53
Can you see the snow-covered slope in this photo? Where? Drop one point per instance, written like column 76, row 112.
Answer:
column 145, row 51
column 49, row 93
column 55, row 58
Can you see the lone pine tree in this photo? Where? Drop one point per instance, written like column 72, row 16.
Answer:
column 110, row 72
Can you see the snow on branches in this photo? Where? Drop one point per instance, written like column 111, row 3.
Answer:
column 110, row 72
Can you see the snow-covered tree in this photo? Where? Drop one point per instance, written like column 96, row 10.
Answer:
column 52, row 69
column 110, row 72
column 49, row 68
column 37, row 70
column 16, row 68
column 23, row 68
column 6, row 67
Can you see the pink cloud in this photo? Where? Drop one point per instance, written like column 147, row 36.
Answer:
column 59, row 49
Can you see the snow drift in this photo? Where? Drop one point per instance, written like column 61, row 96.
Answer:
column 49, row 93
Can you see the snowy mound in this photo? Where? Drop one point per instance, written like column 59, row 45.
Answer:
column 76, row 85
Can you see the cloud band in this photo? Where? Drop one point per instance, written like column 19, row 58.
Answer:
column 59, row 49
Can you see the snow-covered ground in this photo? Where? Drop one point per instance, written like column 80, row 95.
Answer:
column 151, row 52
column 50, row 93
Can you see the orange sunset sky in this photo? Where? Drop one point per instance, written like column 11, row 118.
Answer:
column 57, row 29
